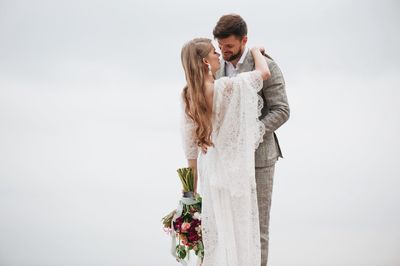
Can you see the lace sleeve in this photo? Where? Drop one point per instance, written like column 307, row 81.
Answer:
column 252, row 79
column 240, row 103
column 187, row 127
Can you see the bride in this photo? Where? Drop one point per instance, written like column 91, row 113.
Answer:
column 220, row 119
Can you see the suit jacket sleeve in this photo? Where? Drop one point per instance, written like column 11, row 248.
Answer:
column 275, row 99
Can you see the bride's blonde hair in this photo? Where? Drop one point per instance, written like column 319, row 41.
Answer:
column 193, row 93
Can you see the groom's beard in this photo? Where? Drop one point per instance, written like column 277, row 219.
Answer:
column 235, row 56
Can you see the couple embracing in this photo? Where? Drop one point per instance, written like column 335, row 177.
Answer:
column 231, row 107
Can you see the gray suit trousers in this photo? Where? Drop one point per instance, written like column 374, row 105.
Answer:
column 264, row 182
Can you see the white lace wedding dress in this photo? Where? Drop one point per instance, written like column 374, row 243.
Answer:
column 226, row 173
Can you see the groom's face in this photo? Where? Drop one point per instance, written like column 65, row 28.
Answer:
column 232, row 47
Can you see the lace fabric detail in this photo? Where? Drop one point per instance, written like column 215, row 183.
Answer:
column 221, row 102
column 230, row 227
column 238, row 128
column 187, row 127
column 250, row 80
column 230, row 220
column 256, row 82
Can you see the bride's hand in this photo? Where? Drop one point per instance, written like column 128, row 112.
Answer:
column 258, row 48
column 204, row 148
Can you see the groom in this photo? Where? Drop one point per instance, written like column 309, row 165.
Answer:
column 231, row 34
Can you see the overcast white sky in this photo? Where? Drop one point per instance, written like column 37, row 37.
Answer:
column 89, row 133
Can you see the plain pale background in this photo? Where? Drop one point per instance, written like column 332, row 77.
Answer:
column 89, row 128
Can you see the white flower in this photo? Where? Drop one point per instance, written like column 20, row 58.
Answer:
column 197, row 216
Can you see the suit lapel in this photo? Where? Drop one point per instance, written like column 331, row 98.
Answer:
column 248, row 63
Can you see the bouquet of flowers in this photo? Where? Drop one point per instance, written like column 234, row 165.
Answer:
column 184, row 223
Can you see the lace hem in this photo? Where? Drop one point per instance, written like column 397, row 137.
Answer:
column 260, row 124
column 256, row 81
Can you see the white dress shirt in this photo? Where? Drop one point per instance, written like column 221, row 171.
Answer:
column 231, row 70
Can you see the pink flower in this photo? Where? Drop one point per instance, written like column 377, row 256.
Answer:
column 185, row 226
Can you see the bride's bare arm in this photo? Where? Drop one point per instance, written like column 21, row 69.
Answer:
column 260, row 62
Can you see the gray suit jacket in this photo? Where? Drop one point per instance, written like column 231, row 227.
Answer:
column 274, row 113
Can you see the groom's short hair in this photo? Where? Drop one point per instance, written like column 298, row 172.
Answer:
column 228, row 25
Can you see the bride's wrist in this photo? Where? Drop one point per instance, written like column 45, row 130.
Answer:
column 254, row 49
